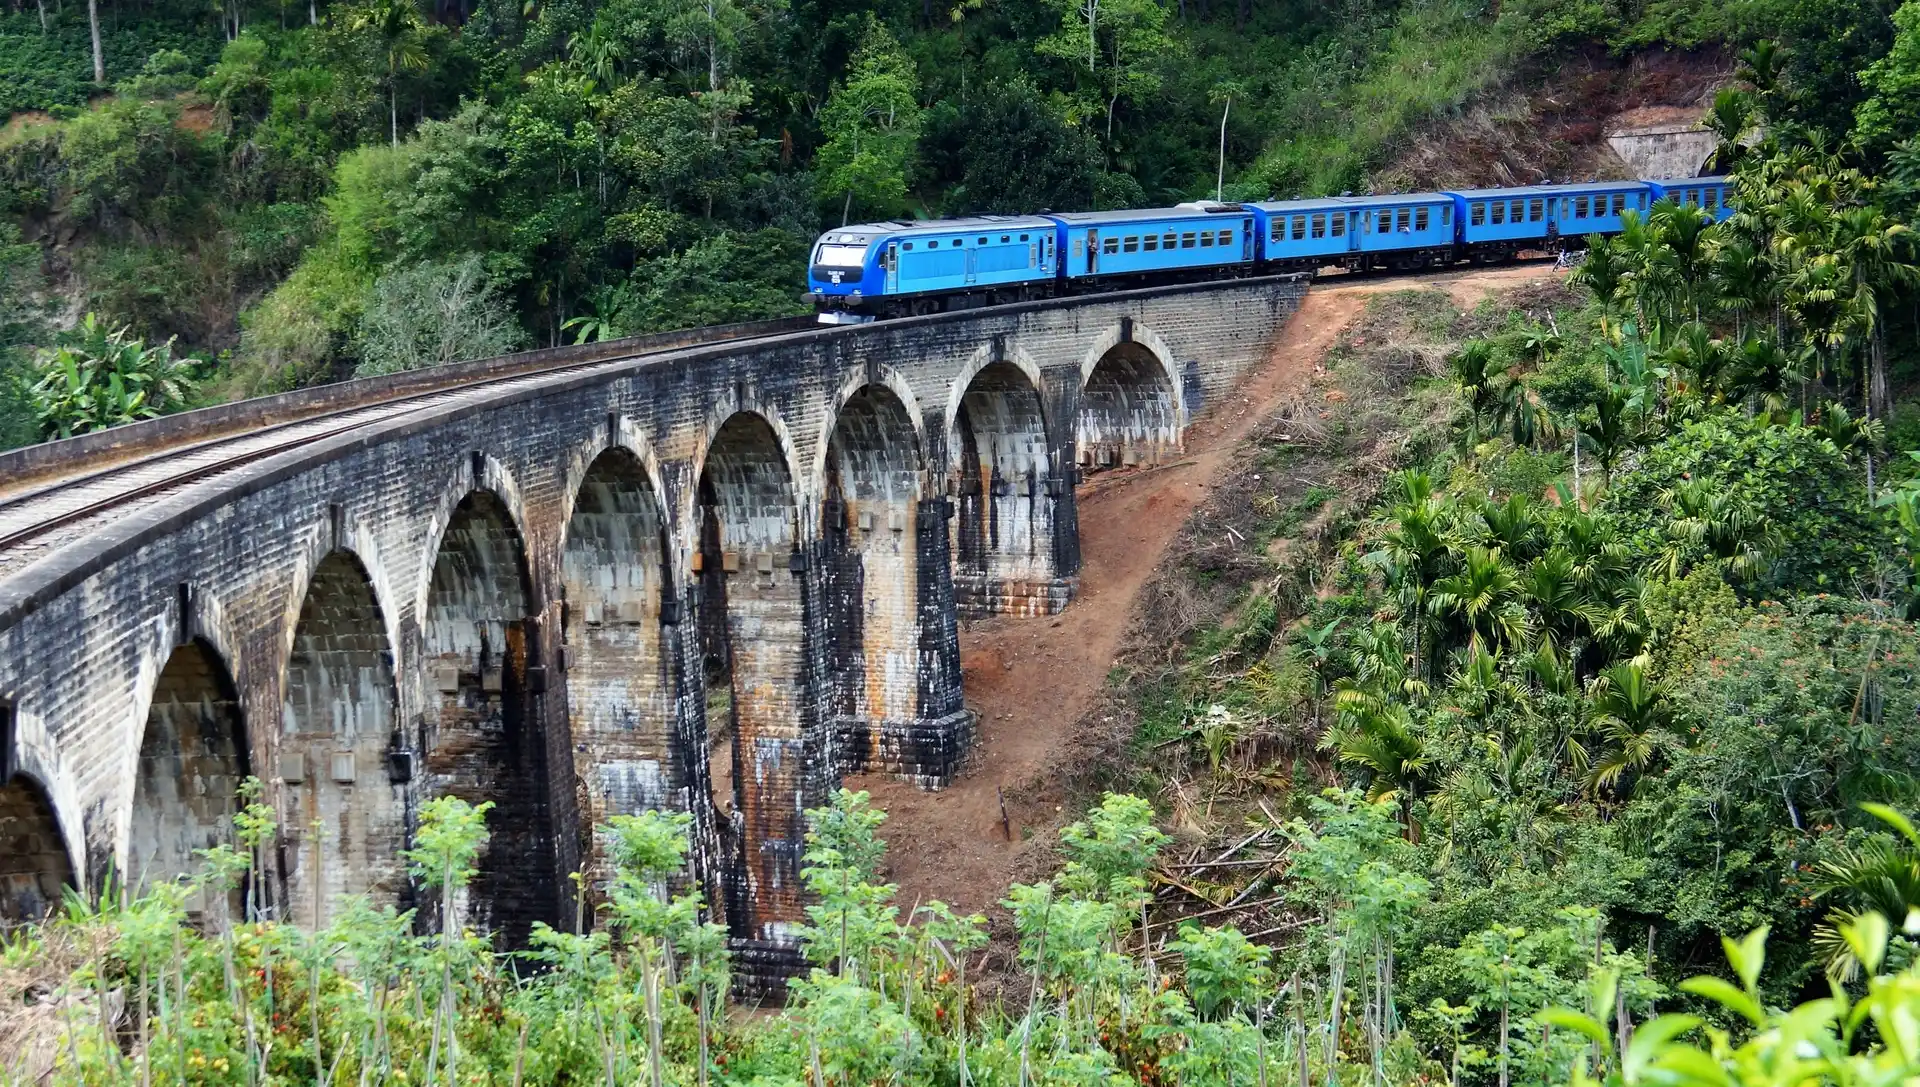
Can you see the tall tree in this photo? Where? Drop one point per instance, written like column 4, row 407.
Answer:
column 398, row 27
column 93, row 24
column 872, row 124
column 1116, row 46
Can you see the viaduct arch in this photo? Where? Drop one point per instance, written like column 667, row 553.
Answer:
column 708, row 579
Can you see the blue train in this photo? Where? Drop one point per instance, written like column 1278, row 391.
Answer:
column 904, row 267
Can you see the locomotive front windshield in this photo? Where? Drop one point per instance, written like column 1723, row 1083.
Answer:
column 842, row 256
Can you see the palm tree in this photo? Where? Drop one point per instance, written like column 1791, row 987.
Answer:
column 1483, row 598
column 1881, row 876
column 1611, row 432
column 1634, row 720
column 1729, row 120
column 1516, row 526
column 1694, row 348
column 1473, row 377
column 1765, row 373
column 1708, row 517
column 1415, row 549
column 398, row 26
column 1741, row 279
column 1601, row 271
column 1875, row 248
column 1379, row 736
column 1566, row 610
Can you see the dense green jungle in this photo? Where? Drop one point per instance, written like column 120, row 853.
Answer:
column 1564, row 716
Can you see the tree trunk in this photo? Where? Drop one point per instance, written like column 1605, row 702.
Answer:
column 393, row 109
column 99, row 60
column 1879, row 401
column 313, row 13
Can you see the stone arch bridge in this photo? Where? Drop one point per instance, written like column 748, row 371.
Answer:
column 708, row 577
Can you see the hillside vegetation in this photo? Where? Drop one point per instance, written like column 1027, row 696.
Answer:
column 277, row 188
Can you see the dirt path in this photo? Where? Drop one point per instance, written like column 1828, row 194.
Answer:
column 1031, row 680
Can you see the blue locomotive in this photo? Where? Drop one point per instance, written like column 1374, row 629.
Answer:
column 905, row 267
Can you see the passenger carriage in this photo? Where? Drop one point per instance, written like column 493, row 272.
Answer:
column 1709, row 193
column 1396, row 230
column 1197, row 240
column 1496, row 224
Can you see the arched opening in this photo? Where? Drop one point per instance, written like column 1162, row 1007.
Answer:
column 752, row 630
column 870, row 526
column 1127, row 411
column 1003, row 524
column 341, row 758
column 482, row 745
column 34, row 864
column 619, row 682
column 193, row 756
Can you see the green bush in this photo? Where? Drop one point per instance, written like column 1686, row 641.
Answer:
column 1828, row 537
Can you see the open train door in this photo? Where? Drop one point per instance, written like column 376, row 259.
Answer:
column 1093, row 250
column 893, row 267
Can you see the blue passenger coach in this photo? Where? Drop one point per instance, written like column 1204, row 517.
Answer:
column 1400, row 230
column 1305, row 234
column 1709, row 193
column 913, row 267
column 1497, row 223
column 1155, row 242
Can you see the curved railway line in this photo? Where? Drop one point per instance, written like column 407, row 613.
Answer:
column 63, row 506
column 60, row 507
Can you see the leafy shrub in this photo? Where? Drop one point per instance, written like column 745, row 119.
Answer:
column 1828, row 537
column 94, row 378
column 724, row 278
column 433, row 314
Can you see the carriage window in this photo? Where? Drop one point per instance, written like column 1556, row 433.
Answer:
column 1713, row 199
column 908, row 246
column 1446, row 214
column 1152, row 243
column 1279, row 229
column 1406, row 219
column 1023, row 237
column 1339, row 224
column 1479, row 214
column 1536, row 210
column 1420, row 217
column 1499, row 212
column 1186, row 240
column 1133, row 244
column 1299, row 227
column 1206, row 239
column 1078, row 246
column 1112, row 245
column 1320, row 225
column 1226, row 237
column 1580, row 207
column 1619, row 202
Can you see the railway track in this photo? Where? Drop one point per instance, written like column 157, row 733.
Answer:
column 64, row 507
